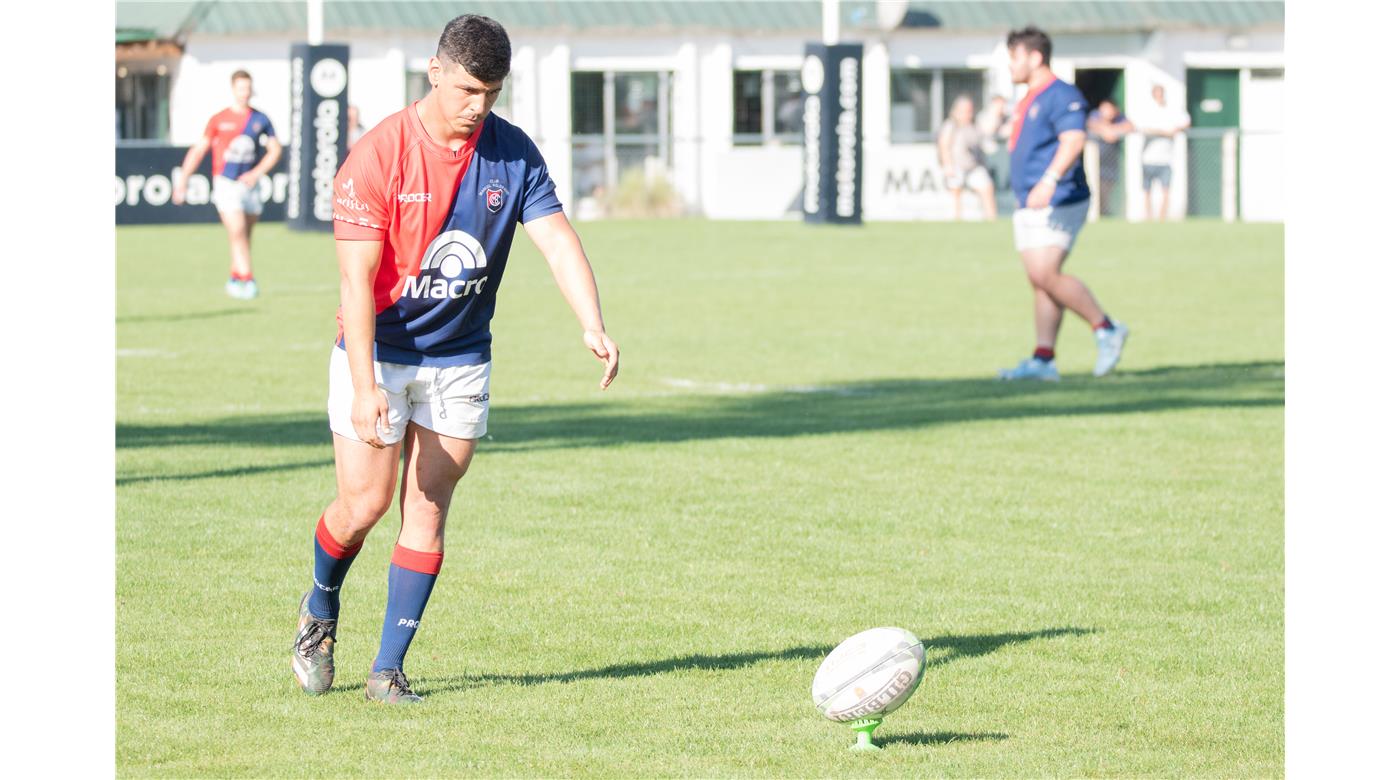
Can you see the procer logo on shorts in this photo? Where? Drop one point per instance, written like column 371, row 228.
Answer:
column 451, row 255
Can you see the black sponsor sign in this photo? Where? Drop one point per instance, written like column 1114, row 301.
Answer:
column 831, row 130
column 320, row 97
column 145, row 182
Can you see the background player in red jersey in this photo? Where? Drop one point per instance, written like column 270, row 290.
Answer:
column 245, row 149
column 425, row 209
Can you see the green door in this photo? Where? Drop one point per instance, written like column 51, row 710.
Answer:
column 1213, row 100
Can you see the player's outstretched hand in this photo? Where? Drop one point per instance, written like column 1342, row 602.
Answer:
column 369, row 414
column 249, row 179
column 605, row 350
column 177, row 194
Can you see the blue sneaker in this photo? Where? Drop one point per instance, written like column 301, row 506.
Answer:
column 250, row 290
column 1111, row 341
column 234, row 288
column 1032, row 368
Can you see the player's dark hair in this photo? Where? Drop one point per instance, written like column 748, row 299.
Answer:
column 1033, row 38
column 240, row 74
column 477, row 43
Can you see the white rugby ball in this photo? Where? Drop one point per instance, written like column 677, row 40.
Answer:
column 869, row 675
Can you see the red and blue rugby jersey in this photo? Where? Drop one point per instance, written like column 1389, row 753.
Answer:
column 236, row 140
column 447, row 220
column 1035, row 138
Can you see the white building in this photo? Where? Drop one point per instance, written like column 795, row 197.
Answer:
column 700, row 94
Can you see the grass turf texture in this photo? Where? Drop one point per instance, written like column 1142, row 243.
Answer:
column 803, row 443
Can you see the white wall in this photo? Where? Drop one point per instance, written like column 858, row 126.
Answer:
column 1261, row 147
column 720, row 180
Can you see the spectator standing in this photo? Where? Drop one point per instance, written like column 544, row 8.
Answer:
column 960, row 153
column 1107, row 126
column 1161, row 124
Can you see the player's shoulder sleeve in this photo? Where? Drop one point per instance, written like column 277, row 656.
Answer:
column 211, row 128
column 264, row 126
column 538, row 196
column 1070, row 109
column 361, row 203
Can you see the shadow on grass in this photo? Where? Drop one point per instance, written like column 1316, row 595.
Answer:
column 185, row 316
column 240, row 471
column 941, row 650
column 877, row 405
column 940, row 738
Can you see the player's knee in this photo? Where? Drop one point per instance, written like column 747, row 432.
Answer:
column 425, row 507
column 1041, row 277
column 365, row 509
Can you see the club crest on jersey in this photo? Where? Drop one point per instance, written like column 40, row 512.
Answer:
column 451, row 254
column 495, row 193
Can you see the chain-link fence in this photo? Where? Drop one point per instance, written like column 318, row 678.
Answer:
column 1221, row 173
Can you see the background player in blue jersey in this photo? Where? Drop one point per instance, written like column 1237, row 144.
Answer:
column 425, row 210
column 244, row 150
column 1052, row 195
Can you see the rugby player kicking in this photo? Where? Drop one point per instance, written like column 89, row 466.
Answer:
column 1047, row 175
column 425, row 209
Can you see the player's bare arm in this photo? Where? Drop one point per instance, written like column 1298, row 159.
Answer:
column 559, row 243
column 252, row 176
column 1071, row 146
column 359, row 261
column 187, row 169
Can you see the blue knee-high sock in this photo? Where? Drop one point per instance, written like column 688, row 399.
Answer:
column 411, row 577
column 332, row 564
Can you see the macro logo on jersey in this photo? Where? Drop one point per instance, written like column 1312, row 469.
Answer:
column 450, row 255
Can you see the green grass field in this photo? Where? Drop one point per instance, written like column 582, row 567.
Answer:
column 803, row 443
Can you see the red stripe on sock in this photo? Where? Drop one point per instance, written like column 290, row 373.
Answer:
column 1104, row 324
column 1044, row 353
column 330, row 545
column 415, row 560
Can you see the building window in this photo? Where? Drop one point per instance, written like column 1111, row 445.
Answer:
column 416, row 86
column 621, row 124
column 767, row 107
column 921, row 98
column 143, row 104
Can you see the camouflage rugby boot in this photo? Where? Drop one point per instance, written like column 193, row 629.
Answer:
column 313, row 652
column 390, row 687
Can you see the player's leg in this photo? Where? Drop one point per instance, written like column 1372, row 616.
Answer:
column 250, row 284
column 1166, row 200
column 365, row 479
column 956, row 193
column 240, row 264
column 449, row 413
column 1043, row 268
column 433, row 465
column 1048, row 316
column 252, row 210
column 365, row 482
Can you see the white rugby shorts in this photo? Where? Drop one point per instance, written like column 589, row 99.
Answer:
column 450, row 400
column 232, row 195
column 1056, row 226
